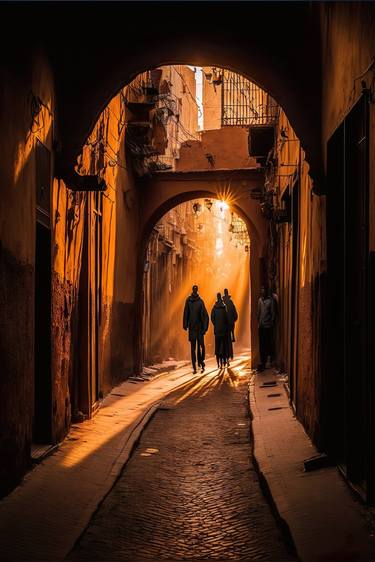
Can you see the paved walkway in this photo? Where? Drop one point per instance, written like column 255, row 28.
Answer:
column 44, row 516
column 326, row 522
column 190, row 490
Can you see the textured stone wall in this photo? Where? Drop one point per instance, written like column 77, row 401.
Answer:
column 299, row 333
column 26, row 115
column 17, row 369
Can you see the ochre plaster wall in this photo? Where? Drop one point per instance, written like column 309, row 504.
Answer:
column 211, row 102
column 221, row 149
column 67, row 222
column 300, row 311
column 348, row 58
column 104, row 153
column 20, row 80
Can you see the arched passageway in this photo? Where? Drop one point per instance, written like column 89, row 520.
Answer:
column 174, row 189
column 200, row 241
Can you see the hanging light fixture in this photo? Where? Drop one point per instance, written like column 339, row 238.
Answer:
column 197, row 209
column 208, row 204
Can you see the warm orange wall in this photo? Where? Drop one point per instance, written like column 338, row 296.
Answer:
column 211, row 103
column 120, row 247
column 311, row 266
column 189, row 113
column 183, row 126
column 17, row 185
column 17, row 253
column 228, row 147
column 348, row 50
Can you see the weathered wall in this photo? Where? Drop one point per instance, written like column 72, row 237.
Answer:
column 348, row 66
column 225, row 148
column 117, row 223
column 348, row 51
column 67, row 223
column 183, row 126
column 20, row 79
column 311, row 300
column 301, row 270
column 211, row 102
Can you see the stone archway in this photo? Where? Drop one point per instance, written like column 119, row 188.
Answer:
column 167, row 190
column 276, row 47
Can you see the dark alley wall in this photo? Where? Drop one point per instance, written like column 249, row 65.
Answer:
column 17, row 255
column 348, row 64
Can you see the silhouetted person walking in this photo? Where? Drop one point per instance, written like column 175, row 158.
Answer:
column 219, row 318
column 266, row 319
column 232, row 318
column 196, row 322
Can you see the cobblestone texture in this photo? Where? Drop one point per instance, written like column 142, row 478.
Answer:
column 190, row 491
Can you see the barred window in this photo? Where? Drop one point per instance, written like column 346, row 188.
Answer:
column 244, row 103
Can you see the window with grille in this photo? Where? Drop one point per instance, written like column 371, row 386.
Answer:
column 244, row 103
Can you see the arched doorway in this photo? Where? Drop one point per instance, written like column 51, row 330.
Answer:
column 200, row 241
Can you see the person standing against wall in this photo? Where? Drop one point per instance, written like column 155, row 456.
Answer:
column 196, row 320
column 266, row 321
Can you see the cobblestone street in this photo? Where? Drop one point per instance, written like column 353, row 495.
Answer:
column 190, row 490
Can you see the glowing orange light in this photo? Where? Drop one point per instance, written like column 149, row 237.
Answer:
column 212, row 262
column 222, row 205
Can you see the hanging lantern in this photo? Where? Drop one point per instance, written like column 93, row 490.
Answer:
column 208, row 204
column 247, row 248
column 197, row 208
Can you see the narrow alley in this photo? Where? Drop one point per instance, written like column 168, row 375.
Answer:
column 190, row 490
column 187, row 257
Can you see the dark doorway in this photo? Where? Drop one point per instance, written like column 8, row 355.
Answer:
column 42, row 425
column 347, row 239
column 294, row 207
column 356, row 202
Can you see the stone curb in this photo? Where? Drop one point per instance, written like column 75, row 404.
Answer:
column 284, row 527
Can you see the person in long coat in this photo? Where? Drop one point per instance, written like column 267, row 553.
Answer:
column 232, row 318
column 266, row 320
column 219, row 318
column 195, row 320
